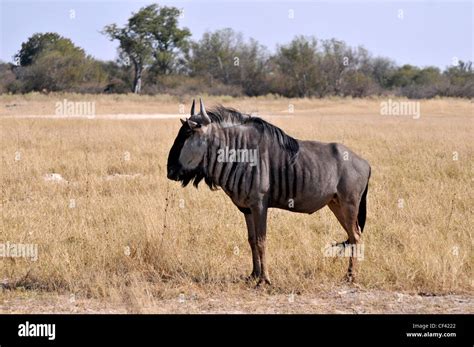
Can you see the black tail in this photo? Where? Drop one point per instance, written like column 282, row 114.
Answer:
column 363, row 208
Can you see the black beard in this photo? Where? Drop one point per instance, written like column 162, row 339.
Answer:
column 196, row 176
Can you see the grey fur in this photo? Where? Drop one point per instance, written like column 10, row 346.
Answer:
column 290, row 174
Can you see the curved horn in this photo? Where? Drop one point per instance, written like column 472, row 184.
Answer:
column 192, row 107
column 205, row 117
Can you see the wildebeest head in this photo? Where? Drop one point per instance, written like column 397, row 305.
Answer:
column 189, row 147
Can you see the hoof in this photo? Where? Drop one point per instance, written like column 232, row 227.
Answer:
column 252, row 277
column 264, row 280
column 349, row 278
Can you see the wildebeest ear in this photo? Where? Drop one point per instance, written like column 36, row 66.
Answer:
column 183, row 120
column 192, row 107
column 192, row 124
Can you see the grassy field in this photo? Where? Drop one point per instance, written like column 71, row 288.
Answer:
column 116, row 229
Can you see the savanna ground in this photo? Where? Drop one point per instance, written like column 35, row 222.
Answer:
column 117, row 236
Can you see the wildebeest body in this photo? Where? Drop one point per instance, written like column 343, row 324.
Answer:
column 290, row 174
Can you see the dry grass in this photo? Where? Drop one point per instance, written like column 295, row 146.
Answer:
column 426, row 246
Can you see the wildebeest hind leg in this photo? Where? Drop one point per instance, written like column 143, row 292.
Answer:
column 346, row 213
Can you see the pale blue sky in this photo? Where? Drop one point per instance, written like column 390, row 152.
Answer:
column 430, row 33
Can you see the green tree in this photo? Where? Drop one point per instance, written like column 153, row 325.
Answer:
column 336, row 59
column 297, row 67
column 55, row 71
column 382, row 71
column 52, row 62
column 427, row 76
column 150, row 37
column 170, row 44
column 214, row 56
column 461, row 79
column 404, row 76
column 224, row 56
column 254, row 68
column 41, row 42
column 460, row 73
column 8, row 80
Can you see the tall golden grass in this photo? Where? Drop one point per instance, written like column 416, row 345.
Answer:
column 141, row 237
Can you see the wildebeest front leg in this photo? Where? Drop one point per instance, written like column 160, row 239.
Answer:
column 252, row 237
column 260, row 221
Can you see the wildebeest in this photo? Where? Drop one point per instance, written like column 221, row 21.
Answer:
column 259, row 166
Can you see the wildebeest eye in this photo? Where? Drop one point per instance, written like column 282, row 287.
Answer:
column 185, row 130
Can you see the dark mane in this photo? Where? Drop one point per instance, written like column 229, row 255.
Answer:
column 229, row 116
